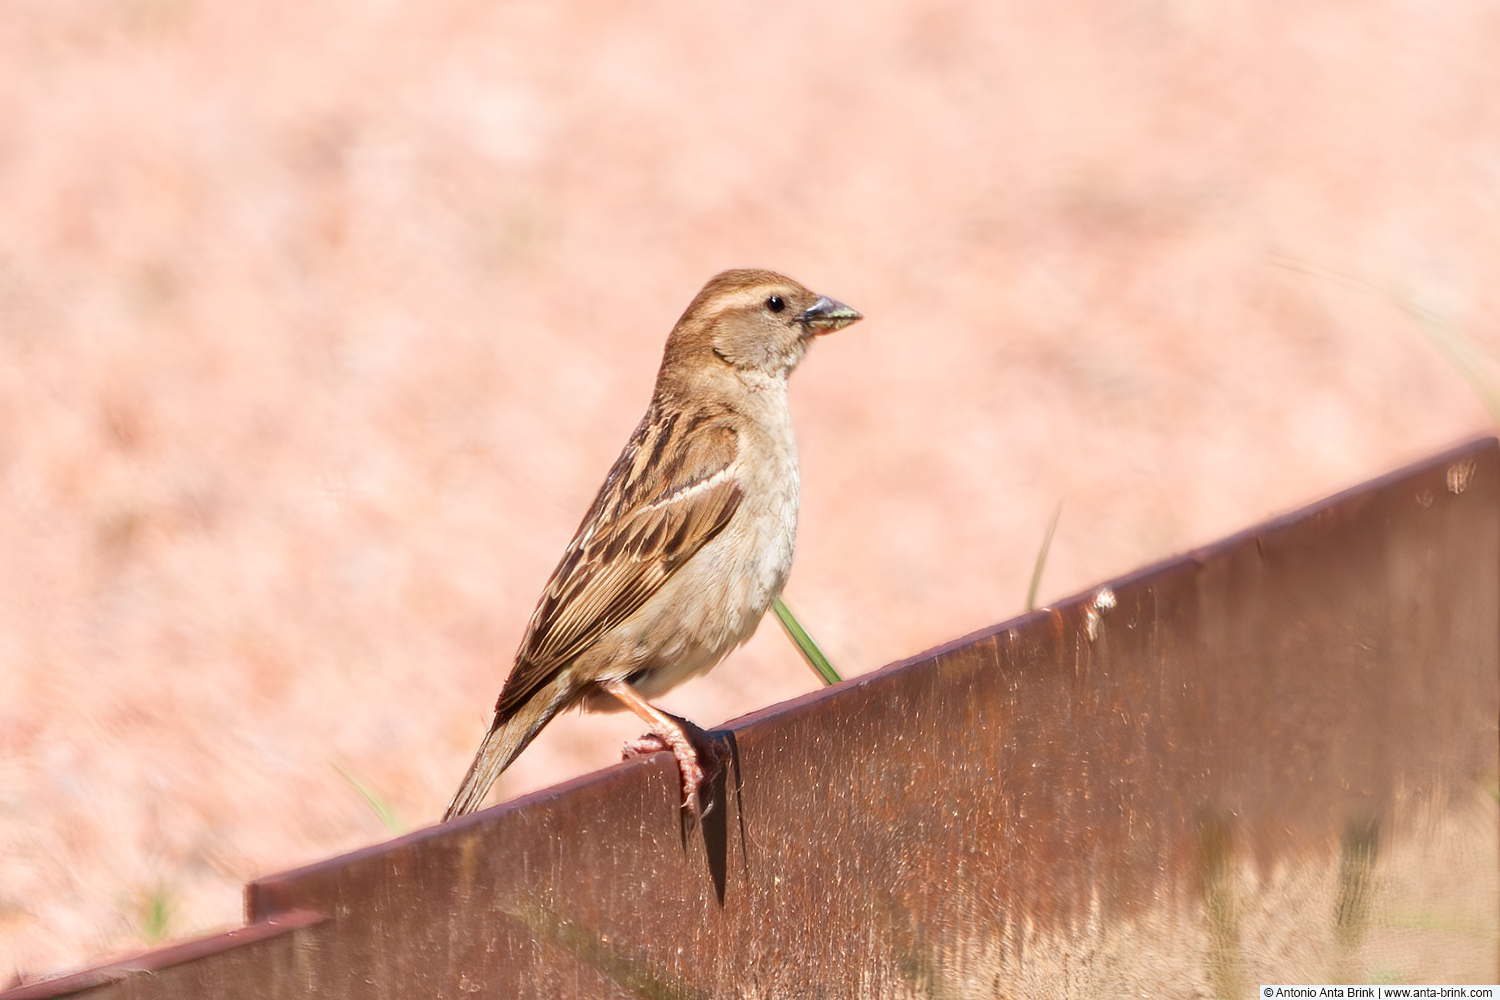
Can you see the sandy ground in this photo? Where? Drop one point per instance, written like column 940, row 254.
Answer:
column 320, row 324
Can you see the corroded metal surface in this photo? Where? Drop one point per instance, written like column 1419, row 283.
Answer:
column 257, row 957
column 1234, row 766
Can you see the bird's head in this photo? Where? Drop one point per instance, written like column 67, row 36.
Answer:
column 754, row 325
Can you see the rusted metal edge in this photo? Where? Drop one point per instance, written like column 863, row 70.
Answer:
column 281, row 903
column 152, row 962
column 1072, row 604
column 273, row 894
column 267, row 896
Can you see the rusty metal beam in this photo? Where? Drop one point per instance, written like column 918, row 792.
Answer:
column 1230, row 767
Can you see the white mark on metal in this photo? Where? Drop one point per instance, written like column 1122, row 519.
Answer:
column 1459, row 475
column 1103, row 601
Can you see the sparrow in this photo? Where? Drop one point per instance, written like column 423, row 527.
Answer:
column 688, row 541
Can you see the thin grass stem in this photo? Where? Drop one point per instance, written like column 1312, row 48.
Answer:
column 377, row 803
column 804, row 643
column 1041, row 559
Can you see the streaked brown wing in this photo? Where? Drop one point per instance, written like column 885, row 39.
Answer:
column 668, row 494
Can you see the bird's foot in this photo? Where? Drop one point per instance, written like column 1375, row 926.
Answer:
column 699, row 756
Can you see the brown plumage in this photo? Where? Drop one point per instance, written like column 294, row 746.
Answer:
column 690, row 537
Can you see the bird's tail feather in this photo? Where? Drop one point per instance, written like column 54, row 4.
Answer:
column 502, row 745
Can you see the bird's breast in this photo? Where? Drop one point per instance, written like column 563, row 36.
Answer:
column 715, row 601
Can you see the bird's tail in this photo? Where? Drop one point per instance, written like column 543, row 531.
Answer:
column 502, row 745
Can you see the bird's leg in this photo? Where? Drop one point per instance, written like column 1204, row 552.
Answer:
column 671, row 733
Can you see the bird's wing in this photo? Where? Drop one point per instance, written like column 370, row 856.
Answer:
column 671, row 490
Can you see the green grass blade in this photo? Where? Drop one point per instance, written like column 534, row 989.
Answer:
column 377, row 803
column 1041, row 559
column 804, row 643
column 152, row 914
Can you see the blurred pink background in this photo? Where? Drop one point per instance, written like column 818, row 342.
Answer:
column 320, row 325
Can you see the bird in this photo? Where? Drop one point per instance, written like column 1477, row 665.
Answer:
column 689, row 539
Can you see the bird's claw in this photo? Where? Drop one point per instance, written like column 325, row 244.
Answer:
column 690, row 748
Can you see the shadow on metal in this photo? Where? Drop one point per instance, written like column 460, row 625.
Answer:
column 1273, row 759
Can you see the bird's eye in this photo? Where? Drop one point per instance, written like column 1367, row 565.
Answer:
column 776, row 303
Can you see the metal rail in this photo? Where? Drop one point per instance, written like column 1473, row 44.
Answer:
column 1243, row 764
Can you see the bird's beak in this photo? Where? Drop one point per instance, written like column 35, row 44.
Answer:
column 827, row 315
